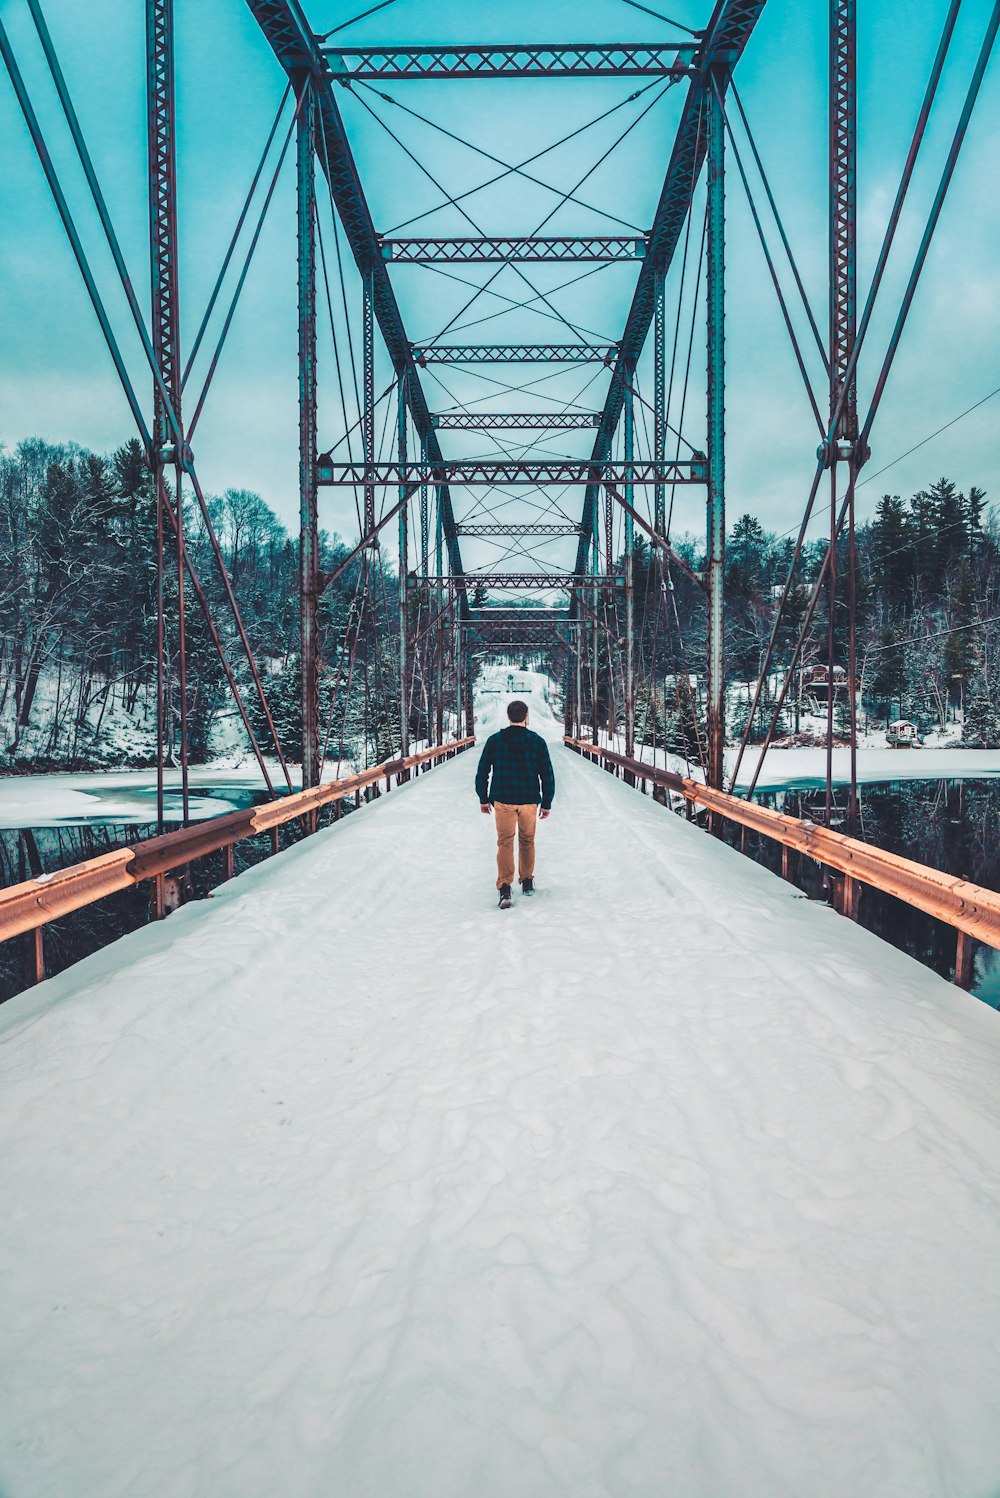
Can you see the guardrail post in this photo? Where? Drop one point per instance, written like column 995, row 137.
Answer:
column 786, row 862
column 38, row 954
column 964, row 955
column 228, row 861
column 275, row 843
column 852, row 897
column 159, row 903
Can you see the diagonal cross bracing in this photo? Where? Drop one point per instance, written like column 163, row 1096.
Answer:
column 515, row 353
column 536, row 249
column 524, row 421
column 724, row 39
column 287, row 31
column 518, row 531
column 528, row 582
column 620, row 60
column 383, row 475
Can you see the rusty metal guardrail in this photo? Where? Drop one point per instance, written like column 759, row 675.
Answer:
column 30, row 906
column 972, row 910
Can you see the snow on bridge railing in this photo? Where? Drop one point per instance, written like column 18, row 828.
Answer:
column 30, row 906
column 972, row 910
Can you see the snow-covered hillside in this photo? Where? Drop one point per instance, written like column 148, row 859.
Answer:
column 345, row 1182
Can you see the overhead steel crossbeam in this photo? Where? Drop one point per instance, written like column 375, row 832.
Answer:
column 527, row 581
column 517, row 633
column 163, row 218
column 514, row 353
column 518, row 530
column 537, row 249
column 623, row 60
column 287, row 31
column 381, row 475
column 843, row 217
column 526, row 616
column 722, row 44
column 522, row 421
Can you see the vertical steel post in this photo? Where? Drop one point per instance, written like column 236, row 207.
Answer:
column 843, row 212
column 308, row 526
column 470, row 717
column 439, row 605
column 716, row 505
column 609, row 567
column 425, row 529
column 404, row 701
column 609, row 532
column 843, row 333
column 595, row 639
column 368, row 392
column 162, row 173
column 629, row 577
column 660, row 399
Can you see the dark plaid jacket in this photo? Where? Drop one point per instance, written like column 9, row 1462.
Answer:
column 522, row 770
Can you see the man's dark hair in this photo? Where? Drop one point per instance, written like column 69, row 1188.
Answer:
column 517, row 711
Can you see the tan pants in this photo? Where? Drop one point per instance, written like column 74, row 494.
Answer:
column 511, row 819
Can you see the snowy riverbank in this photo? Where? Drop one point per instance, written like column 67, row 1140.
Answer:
column 808, row 766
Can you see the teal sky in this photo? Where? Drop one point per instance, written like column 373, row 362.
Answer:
column 57, row 380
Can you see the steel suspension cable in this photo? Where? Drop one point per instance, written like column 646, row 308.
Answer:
column 781, row 229
column 666, row 19
column 564, row 197
column 563, row 200
column 337, row 361
column 196, row 345
column 98, row 304
column 687, row 367
column 508, row 169
column 916, row 141
column 477, row 322
column 241, row 280
column 770, row 264
column 939, row 197
column 340, row 271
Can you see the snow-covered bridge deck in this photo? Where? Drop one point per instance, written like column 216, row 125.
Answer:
column 666, row 1182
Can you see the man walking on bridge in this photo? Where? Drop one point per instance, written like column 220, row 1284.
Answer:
column 516, row 780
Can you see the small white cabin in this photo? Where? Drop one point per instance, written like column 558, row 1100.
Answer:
column 902, row 735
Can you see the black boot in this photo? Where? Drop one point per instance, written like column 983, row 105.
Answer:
column 505, row 897
column 527, row 886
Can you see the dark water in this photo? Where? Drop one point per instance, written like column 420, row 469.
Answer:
column 951, row 825
column 27, row 852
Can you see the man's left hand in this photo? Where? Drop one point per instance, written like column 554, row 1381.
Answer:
column 543, row 812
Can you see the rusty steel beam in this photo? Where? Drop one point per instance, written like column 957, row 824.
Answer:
column 536, row 60
column 537, row 249
column 523, row 581
column 692, row 470
column 518, row 531
column 514, row 353
column 524, row 421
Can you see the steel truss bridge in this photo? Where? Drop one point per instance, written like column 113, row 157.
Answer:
column 609, row 498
